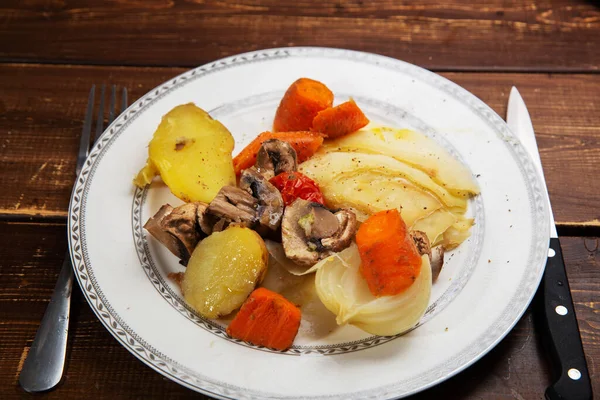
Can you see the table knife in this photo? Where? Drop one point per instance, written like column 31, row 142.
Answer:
column 560, row 332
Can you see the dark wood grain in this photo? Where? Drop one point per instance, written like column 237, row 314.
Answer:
column 42, row 108
column 98, row 367
column 551, row 35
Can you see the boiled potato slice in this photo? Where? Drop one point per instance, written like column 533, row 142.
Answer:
column 223, row 270
column 412, row 148
column 192, row 153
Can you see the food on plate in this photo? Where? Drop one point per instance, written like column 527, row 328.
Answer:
column 371, row 171
column 300, row 105
column 192, row 153
column 266, row 319
column 338, row 121
column 223, row 270
column 305, row 144
column 311, row 232
column 329, row 169
column 343, row 290
column 295, row 185
column 415, row 149
column 390, row 261
column 176, row 228
column 346, row 221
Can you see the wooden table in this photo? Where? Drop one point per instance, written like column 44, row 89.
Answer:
column 51, row 51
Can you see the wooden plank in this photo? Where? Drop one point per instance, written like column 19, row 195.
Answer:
column 99, row 367
column 42, row 108
column 549, row 35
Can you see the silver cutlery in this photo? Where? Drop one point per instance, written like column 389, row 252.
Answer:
column 43, row 368
column 560, row 331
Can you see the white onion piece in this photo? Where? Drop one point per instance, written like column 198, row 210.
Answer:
column 343, row 290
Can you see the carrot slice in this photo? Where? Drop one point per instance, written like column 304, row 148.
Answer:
column 266, row 319
column 300, row 104
column 390, row 260
column 340, row 120
column 305, row 144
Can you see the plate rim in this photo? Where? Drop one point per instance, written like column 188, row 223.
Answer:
column 171, row 369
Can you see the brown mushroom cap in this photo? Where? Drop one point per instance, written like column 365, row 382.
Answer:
column 304, row 242
column 176, row 228
column 435, row 254
column 346, row 231
column 274, row 157
column 232, row 205
column 270, row 203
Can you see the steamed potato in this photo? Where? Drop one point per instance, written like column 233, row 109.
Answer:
column 223, row 270
column 192, row 153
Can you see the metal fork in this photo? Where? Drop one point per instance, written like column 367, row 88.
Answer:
column 43, row 368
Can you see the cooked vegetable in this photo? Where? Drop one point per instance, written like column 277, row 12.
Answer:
column 305, row 144
column 300, row 105
column 266, row 319
column 192, row 153
column 269, row 210
column 435, row 254
column 344, row 292
column 223, row 270
column 340, row 120
column 390, row 260
column 415, row 149
column 330, row 169
column 311, row 232
column 295, row 185
column 175, row 228
column 276, row 157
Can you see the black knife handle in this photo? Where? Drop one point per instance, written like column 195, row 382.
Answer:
column 561, row 332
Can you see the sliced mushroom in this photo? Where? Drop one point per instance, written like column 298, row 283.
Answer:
column 274, row 157
column 435, row 254
column 347, row 228
column 231, row 205
column 319, row 223
column 422, row 242
column 153, row 226
column 176, row 229
column 308, row 233
column 437, row 261
column 206, row 221
column 270, row 202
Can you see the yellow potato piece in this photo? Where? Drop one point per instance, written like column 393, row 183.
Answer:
column 192, row 153
column 223, row 270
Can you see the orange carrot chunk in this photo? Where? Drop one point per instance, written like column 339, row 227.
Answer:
column 340, row 120
column 266, row 319
column 305, row 144
column 300, row 105
column 390, row 260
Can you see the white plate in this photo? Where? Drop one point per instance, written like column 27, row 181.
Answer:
column 484, row 287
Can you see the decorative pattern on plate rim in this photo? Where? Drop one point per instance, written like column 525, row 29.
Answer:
column 136, row 345
column 174, row 299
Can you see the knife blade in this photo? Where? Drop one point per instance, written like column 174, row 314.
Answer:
column 560, row 331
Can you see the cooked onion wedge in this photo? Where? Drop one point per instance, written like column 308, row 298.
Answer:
column 344, row 292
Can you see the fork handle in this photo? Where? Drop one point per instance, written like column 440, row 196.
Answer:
column 44, row 365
